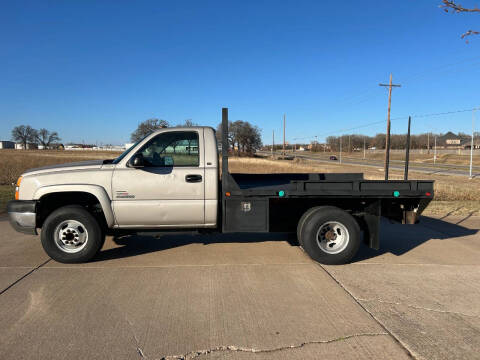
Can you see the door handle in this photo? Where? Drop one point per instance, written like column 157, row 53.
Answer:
column 193, row 178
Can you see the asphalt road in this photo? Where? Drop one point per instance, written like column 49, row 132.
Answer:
column 245, row 297
column 442, row 169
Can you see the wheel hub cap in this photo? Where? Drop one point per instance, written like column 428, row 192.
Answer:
column 71, row 236
column 332, row 237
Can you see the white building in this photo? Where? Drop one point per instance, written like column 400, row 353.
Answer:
column 19, row 146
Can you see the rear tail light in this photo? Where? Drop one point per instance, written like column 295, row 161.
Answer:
column 428, row 193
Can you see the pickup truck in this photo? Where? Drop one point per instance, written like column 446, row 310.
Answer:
column 170, row 181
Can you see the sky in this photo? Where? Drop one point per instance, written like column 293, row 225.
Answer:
column 92, row 70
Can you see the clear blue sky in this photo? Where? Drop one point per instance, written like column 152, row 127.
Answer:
column 92, row 70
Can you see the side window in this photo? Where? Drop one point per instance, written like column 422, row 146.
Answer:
column 175, row 148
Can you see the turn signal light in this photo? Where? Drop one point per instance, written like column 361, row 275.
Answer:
column 227, row 194
column 17, row 188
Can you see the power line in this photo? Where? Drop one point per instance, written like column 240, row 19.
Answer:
column 382, row 121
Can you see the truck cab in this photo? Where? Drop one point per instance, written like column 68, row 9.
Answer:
column 168, row 180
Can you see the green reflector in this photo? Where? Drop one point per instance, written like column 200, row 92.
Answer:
column 281, row 193
column 396, row 193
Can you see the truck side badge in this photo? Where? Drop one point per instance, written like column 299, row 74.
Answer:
column 124, row 195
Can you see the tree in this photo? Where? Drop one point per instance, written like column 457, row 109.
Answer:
column 46, row 138
column 188, row 123
column 24, row 134
column 242, row 136
column 452, row 6
column 147, row 127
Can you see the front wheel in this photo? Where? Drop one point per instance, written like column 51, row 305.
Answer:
column 71, row 234
column 330, row 237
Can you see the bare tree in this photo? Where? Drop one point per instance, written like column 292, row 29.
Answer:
column 188, row 123
column 243, row 136
column 46, row 138
column 24, row 134
column 452, row 6
column 147, row 127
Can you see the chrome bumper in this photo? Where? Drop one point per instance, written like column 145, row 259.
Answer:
column 22, row 216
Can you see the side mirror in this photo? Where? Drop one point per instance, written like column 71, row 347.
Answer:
column 136, row 161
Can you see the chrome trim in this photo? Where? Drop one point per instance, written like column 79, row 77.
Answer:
column 23, row 222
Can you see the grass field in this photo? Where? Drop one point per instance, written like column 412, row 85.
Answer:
column 456, row 194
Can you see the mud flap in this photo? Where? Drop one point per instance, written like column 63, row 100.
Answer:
column 372, row 224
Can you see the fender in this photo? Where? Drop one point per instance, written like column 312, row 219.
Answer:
column 97, row 191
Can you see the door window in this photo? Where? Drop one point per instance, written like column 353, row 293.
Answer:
column 173, row 148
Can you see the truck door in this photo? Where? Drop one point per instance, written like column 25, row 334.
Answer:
column 169, row 191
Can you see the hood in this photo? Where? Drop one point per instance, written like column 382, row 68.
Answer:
column 89, row 164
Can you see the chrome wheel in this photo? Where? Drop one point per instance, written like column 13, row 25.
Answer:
column 71, row 236
column 332, row 237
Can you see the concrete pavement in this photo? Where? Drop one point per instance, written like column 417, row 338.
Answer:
column 245, row 297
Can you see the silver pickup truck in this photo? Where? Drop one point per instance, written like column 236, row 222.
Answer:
column 170, row 180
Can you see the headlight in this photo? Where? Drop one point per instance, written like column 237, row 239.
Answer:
column 17, row 188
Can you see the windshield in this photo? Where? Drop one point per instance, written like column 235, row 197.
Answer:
column 125, row 153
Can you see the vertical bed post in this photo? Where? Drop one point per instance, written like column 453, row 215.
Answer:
column 224, row 145
column 407, row 150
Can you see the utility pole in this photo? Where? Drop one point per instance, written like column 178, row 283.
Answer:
column 387, row 140
column 407, row 150
column 316, row 143
column 340, row 149
column 471, row 145
column 428, row 143
column 364, row 148
column 349, row 144
column 435, row 151
column 283, row 135
column 273, row 141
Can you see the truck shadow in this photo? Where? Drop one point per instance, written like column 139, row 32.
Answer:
column 134, row 245
column 396, row 239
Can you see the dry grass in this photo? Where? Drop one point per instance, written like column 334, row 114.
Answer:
column 14, row 162
column 6, row 194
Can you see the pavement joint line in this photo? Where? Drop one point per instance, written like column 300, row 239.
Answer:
column 411, row 264
column 170, row 266
column 417, row 307
column 233, row 348
column 23, row 277
column 410, row 352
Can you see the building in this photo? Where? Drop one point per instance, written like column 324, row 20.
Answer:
column 467, row 144
column 5, row 144
column 30, row 146
column 450, row 141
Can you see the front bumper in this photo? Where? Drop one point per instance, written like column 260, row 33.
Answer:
column 22, row 216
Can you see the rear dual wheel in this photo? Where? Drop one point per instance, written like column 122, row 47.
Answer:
column 329, row 235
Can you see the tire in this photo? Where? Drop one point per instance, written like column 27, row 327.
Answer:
column 304, row 217
column 71, row 234
column 330, row 235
